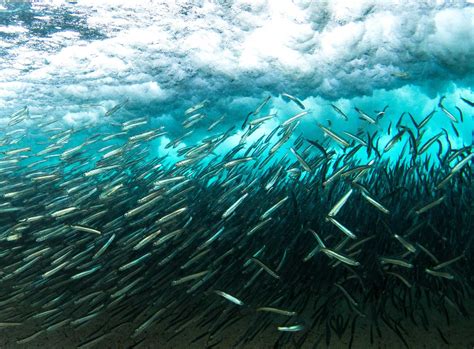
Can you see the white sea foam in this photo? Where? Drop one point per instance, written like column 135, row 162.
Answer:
column 165, row 55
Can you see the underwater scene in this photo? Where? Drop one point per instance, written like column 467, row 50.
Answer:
column 236, row 174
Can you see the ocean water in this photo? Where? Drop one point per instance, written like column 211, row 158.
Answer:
column 249, row 174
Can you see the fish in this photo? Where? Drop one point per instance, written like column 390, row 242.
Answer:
column 394, row 261
column 85, row 273
column 192, row 120
column 256, row 111
column 462, row 163
column 54, row 270
column 236, row 162
column 277, row 311
column 300, row 159
column 229, row 297
column 401, row 75
column 107, row 227
column 340, row 257
column 394, row 140
column 86, row 229
column 318, row 146
column 401, row 278
column 405, row 243
column 104, row 247
column 17, row 151
column 189, row 278
column 381, row 113
column 148, row 322
column 373, row 202
column 340, row 112
column 262, row 119
column 234, row 206
column 134, row 262
column 334, row 211
column 63, row 212
column 19, row 116
column 429, row 143
column 294, row 99
column 430, row 205
column 265, row 267
column 215, row 123
column 446, row 111
column 440, row 274
column 447, row 263
column 318, row 239
column 116, row 107
column 347, row 295
column 428, row 253
column 356, row 138
column 294, row 118
column 335, row 175
column 172, row 215
column 467, row 101
column 259, row 226
column 342, row 228
column 365, row 117
column 129, row 126
column 272, row 209
column 425, row 121
column 143, row 242
column 292, row 328
column 334, row 136
column 196, row 107
column 262, row 105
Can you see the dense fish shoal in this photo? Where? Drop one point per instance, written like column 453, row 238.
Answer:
column 298, row 239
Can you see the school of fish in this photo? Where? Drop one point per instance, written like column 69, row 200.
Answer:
column 300, row 237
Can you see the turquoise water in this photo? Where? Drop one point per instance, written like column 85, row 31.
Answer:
column 296, row 171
